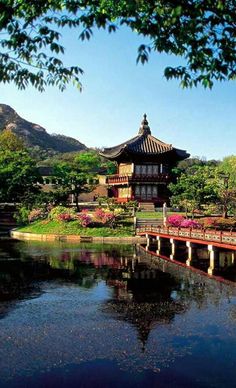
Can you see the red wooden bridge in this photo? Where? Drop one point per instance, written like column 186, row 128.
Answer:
column 214, row 240
column 221, row 239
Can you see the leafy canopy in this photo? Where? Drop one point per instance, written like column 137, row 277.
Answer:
column 19, row 177
column 227, row 169
column 205, row 187
column 201, row 32
column 9, row 141
column 74, row 178
column 194, row 188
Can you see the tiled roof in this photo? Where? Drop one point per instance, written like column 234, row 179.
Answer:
column 45, row 170
column 143, row 143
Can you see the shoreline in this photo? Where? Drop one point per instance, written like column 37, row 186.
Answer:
column 26, row 236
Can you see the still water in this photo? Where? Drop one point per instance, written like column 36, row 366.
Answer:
column 111, row 316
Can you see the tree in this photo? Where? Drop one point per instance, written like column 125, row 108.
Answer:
column 226, row 199
column 228, row 168
column 10, row 142
column 72, row 179
column 194, row 189
column 19, row 177
column 227, row 183
column 89, row 161
column 202, row 186
column 201, row 32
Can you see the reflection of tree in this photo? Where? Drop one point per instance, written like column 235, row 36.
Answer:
column 145, row 303
column 193, row 287
column 16, row 283
column 36, row 262
column 85, row 269
column 229, row 272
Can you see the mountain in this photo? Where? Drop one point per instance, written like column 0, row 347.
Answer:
column 35, row 136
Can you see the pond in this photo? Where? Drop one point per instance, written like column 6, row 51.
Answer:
column 111, row 316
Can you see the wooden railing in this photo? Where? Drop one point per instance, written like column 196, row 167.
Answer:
column 222, row 237
column 117, row 178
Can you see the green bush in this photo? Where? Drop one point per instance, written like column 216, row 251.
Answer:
column 22, row 215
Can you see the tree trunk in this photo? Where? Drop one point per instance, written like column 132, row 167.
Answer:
column 225, row 212
column 77, row 201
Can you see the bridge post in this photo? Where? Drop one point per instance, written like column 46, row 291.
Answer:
column 148, row 241
column 190, row 247
column 214, row 254
column 233, row 257
column 132, row 264
column 173, row 247
column 158, row 239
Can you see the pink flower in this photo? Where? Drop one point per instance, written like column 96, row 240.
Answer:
column 103, row 216
column 65, row 217
column 175, row 220
column 84, row 219
column 190, row 224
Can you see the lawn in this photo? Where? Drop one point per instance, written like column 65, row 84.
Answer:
column 158, row 215
column 67, row 228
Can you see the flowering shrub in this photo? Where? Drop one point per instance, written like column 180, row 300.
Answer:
column 84, row 219
column 36, row 214
column 104, row 216
column 219, row 223
column 56, row 211
column 179, row 221
column 190, row 224
column 99, row 214
column 64, row 217
column 118, row 211
column 175, row 220
column 209, row 222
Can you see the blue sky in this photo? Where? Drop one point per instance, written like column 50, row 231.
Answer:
column 116, row 93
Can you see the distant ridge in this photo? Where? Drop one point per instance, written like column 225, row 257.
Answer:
column 36, row 136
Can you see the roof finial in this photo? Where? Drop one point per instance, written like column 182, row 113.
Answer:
column 144, row 128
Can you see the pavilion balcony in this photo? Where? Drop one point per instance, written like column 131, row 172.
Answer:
column 134, row 178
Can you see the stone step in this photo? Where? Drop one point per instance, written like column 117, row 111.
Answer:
column 147, row 206
column 148, row 222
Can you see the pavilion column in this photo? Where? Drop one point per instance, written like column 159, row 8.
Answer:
column 173, row 248
column 132, row 192
column 214, row 255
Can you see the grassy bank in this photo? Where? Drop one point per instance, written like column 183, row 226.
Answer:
column 72, row 227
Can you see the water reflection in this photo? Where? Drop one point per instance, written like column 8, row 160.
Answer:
column 84, row 302
column 146, row 290
column 224, row 264
column 144, row 303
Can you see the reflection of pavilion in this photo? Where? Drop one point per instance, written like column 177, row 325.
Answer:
column 143, row 297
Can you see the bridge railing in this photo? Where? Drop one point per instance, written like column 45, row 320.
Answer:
column 197, row 234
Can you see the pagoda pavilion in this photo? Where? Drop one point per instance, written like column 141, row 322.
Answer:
column 144, row 166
